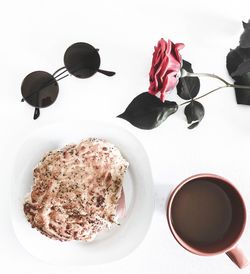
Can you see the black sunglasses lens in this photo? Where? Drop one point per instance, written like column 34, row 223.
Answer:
column 82, row 60
column 39, row 89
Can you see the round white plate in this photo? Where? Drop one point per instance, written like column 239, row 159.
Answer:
column 109, row 246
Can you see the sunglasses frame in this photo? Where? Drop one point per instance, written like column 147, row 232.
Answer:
column 73, row 53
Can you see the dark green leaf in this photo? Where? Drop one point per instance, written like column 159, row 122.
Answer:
column 187, row 66
column 245, row 36
column 194, row 112
column 246, row 25
column 242, row 69
column 235, row 57
column 188, row 87
column 193, row 125
column 243, row 95
column 238, row 66
column 146, row 111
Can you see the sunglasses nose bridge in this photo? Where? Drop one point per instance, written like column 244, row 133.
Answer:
column 55, row 74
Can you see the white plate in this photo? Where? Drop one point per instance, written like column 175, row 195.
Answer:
column 138, row 187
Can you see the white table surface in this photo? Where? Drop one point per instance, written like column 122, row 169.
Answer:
column 35, row 35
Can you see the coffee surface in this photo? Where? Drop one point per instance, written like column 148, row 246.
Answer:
column 201, row 212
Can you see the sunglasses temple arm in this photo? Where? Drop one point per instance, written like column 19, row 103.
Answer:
column 107, row 73
column 36, row 113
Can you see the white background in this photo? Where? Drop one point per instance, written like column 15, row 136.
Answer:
column 35, row 35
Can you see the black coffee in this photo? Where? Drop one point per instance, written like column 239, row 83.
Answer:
column 202, row 212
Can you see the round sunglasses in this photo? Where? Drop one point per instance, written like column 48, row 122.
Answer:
column 40, row 88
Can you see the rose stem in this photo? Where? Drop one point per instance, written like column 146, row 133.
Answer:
column 191, row 74
column 197, row 98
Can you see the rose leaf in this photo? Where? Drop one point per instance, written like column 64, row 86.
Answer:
column 242, row 69
column 243, row 95
column 188, row 87
column 245, row 36
column 235, row 57
column 246, row 25
column 238, row 66
column 146, row 111
column 194, row 112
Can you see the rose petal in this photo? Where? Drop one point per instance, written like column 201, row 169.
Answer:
column 173, row 64
column 177, row 48
column 168, row 84
column 166, row 63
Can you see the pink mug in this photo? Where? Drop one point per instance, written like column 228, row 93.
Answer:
column 207, row 216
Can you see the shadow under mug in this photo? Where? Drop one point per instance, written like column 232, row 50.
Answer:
column 207, row 216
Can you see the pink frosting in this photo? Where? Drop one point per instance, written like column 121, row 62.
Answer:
column 166, row 64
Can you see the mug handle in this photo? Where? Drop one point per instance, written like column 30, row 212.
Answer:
column 238, row 257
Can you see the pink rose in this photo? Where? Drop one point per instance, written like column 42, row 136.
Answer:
column 166, row 64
